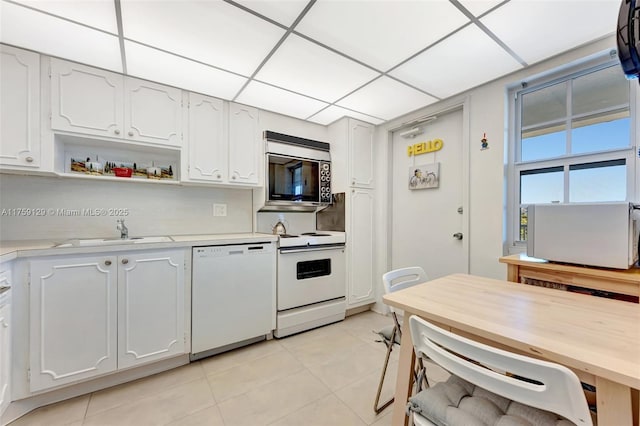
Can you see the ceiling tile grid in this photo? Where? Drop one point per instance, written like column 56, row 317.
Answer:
column 373, row 60
column 305, row 67
column 464, row 60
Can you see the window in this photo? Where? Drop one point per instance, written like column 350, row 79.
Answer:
column 573, row 141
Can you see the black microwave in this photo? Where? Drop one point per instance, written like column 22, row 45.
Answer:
column 298, row 172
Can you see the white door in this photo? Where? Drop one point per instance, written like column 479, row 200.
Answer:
column 360, row 256
column 150, row 307
column 5, row 350
column 19, row 107
column 207, row 145
column 245, row 146
column 428, row 230
column 360, row 154
column 86, row 100
column 153, row 112
column 73, row 316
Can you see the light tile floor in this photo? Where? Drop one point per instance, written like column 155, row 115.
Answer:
column 323, row 377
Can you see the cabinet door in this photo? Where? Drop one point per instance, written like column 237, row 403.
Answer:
column 151, row 307
column 361, row 283
column 73, row 308
column 245, row 145
column 207, row 144
column 360, row 154
column 19, row 107
column 153, row 112
column 86, row 100
column 5, row 350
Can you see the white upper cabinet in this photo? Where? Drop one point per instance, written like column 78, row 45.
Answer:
column 19, row 108
column 153, row 112
column 360, row 154
column 90, row 101
column 245, row 145
column 207, row 143
column 86, row 100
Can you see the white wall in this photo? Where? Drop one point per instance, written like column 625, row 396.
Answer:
column 488, row 111
column 154, row 209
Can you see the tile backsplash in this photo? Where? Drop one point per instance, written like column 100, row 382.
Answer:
column 61, row 208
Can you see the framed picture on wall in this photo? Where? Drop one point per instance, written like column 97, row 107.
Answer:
column 425, row 176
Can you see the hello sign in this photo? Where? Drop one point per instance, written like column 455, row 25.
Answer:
column 425, row 147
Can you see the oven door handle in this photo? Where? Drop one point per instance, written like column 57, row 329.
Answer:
column 306, row 249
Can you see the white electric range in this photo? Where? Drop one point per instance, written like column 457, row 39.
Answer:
column 311, row 281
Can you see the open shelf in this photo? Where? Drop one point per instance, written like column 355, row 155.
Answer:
column 89, row 158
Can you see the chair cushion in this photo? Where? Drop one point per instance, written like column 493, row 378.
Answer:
column 386, row 332
column 458, row 402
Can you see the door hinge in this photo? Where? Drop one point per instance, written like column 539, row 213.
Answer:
column 28, row 280
column 29, row 375
column 49, row 69
column 185, row 338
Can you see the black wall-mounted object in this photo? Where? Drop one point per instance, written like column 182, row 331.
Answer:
column 628, row 37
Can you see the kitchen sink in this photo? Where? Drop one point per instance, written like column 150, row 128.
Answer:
column 92, row 242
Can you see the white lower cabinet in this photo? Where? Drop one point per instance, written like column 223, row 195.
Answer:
column 5, row 350
column 92, row 315
column 360, row 223
column 150, row 307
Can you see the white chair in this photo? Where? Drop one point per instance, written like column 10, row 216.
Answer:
column 533, row 387
column 395, row 280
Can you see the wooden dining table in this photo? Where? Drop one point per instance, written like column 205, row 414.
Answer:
column 597, row 338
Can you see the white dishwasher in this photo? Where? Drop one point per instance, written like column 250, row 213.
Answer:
column 233, row 296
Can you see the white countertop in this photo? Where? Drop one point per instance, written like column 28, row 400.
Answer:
column 10, row 250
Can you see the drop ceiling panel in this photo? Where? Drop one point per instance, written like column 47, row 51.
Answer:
column 380, row 33
column 155, row 65
column 278, row 100
column 465, row 60
column 95, row 13
column 333, row 113
column 386, row 98
column 213, row 32
column 478, row 7
column 284, row 12
column 43, row 33
column 536, row 30
column 305, row 67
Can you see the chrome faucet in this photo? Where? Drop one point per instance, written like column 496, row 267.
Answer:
column 124, row 231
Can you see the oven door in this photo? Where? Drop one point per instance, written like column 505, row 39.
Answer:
column 310, row 275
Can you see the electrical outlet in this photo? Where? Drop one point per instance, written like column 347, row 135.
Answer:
column 219, row 209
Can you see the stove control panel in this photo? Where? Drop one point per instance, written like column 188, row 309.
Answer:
column 325, row 182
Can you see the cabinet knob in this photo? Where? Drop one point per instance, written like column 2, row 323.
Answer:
column 233, row 177
column 29, row 159
column 218, row 176
column 130, row 132
column 353, row 182
column 116, row 131
column 5, row 325
column 125, row 261
column 107, row 262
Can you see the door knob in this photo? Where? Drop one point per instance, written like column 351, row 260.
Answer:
column 457, row 235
